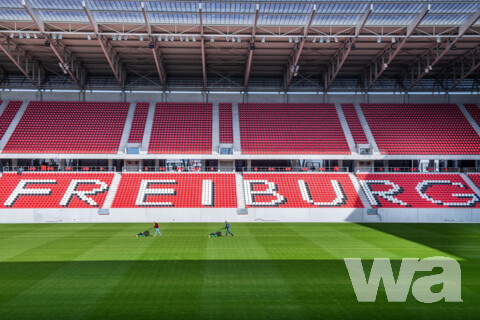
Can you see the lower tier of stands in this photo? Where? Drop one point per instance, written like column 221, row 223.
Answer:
column 218, row 190
column 54, row 190
column 181, row 190
column 475, row 177
column 418, row 190
column 300, row 190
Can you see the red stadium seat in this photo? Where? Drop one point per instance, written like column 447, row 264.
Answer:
column 139, row 121
column 300, row 190
column 8, row 115
column 354, row 123
column 291, row 129
column 54, row 189
column 69, row 127
column 183, row 190
column 182, row 128
column 417, row 190
column 421, row 129
column 226, row 127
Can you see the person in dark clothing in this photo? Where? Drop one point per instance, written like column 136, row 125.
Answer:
column 157, row 230
column 227, row 227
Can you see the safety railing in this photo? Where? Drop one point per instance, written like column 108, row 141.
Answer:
column 176, row 169
column 470, row 170
column 49, row 168
column 403, row 170
column 302, row 169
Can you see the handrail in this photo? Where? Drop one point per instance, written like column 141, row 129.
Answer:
column 50, row 168
column 403, row 170
column 298, row 169
column 176, row 169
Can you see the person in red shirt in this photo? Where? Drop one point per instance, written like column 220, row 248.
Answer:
column 157, row 230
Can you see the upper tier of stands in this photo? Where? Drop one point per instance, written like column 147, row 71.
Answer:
column 226, row 127
column 421, row 129
column 300, row 190
column 8, row 115
column 417, row 190
column 138, row 123
column 354, row 123
column 291, row 129
column 54, row 190
column 186, row 128
column 69, row 127
column 474, row 111
column 182, row 128
column 180, row 190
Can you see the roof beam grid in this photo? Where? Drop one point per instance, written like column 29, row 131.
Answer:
column 251, row 48
column 292, row 63
column 380, row 63
column 68, row 63
column 202, row 44
column 113, row 59
column 460, row 69
column 425, row 63
column 159, row 64
column 340, row 56
column 27, row 65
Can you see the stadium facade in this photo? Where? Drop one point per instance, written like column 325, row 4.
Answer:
column 251, row 111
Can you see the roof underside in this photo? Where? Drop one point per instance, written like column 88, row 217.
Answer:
column 304, row 38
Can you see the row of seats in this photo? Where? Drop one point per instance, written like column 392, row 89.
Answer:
column 354, row 123
column 97, row 127
column 225, row 123
column 300, row 190
column 474, row 111
column 138, row 123
column 7, row 115
column 267, row 128
column 69, row 127
column 182, row 128
column 421, row 129
column 54, row 189
column 218, row 190
column 417, row 190
column 183, row 190
column 475, row 177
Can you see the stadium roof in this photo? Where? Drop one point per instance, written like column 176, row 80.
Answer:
column 329, row 45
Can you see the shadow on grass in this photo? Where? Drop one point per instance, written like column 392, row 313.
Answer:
column 461, row 240
column 206, row 289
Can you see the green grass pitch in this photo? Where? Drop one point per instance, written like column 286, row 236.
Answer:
column 267, row 271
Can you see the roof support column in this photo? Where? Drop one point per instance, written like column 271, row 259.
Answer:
column 252, row 48
column 292, row 64
column 425, row 63
column 338, row 59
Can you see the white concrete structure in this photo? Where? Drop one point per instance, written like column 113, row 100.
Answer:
column 127, row 128
column 346, row 128
column 366, row 129
column 215, row 128
column 470, row 119
column 13, row 125
column 360, row 191
column 112, row 191
column 254, row 215
column 237, row 146
column 148, row 128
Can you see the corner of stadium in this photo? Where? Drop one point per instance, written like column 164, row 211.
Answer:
column 317, row 132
